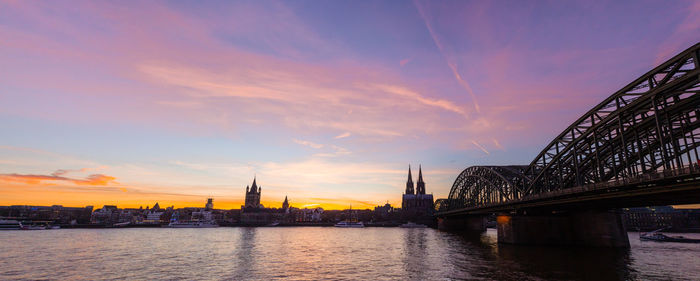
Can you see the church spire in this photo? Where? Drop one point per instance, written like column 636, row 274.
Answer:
column 409, row 183
column 285, row 204
column 254, row 188
column 420, row 186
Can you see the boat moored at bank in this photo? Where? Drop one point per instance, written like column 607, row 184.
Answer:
column 657, row 236
column 192, row 224
column 412, row 225
column 353, row 224
column 10, row 225
column 33, row 227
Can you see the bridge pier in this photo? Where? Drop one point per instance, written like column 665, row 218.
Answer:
column 577, row 228
column 470, row 223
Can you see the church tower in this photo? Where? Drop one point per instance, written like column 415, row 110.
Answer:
column 420, row 185
column 285, row 204
column 409, row 183
column 252, row 195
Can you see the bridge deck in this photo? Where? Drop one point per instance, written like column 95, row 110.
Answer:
column 680, row 186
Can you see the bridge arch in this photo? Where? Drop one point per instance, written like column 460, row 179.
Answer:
column 649, row 126
column 483, row 185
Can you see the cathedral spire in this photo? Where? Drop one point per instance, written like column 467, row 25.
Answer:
column 420, row 174
column 285, row 204
column 420, row 186
column 409, row 183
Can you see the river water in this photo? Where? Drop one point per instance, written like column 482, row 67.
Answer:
column 315, row 253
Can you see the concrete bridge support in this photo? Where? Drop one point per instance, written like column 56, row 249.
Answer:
column 471, row 223
column 578, row 228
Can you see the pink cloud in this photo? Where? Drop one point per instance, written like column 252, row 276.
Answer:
column 407, row 93
column 343, row 135
column 170, row 64
column 94, row 179
column 308, row 143
column 217, row 85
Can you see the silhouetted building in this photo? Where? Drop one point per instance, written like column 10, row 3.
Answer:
column 153, row 215
column 308, row 215
column 652, row 218
column 56, row 213
column 387, row 208
column 384, row 213
column 285, row 204
column 210, row 204
column 254, row 213
column 252, row 196
column 416, row 206
column 108, row 215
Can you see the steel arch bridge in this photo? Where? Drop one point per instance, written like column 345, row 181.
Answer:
column 649, row 127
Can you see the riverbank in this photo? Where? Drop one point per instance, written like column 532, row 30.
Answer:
column 304, row 224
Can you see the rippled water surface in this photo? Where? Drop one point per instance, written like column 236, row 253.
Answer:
column 313, row 253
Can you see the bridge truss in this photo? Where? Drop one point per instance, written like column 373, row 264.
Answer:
column 649, row 126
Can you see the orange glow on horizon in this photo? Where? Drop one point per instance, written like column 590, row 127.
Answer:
column 77, row 195
column 220, row 204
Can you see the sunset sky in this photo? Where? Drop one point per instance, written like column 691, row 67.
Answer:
column 327, row 102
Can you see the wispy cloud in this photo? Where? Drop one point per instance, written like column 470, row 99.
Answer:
column 497, row 144
column 480, row 147
column 357, row 107
column 450, row 62
column 337, row 151
column 94, row 179
column 63, row 172
column 440, row 103
column 464, row 84
column 308, row 143
column 310, row 205
column 342, row 136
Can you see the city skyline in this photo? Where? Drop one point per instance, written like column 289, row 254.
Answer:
column 169, row 102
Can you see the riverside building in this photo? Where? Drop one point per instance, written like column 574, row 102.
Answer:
column 252, row 196
column 254, row 213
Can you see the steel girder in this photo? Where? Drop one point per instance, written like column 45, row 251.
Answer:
column 442, row 204
column 650, row 125
column 480, row 185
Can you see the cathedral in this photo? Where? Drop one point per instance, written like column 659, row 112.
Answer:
column 416, row 204
column 252, row 196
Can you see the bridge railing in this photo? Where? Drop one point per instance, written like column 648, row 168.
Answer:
column 652, row 176
column 443, row 205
